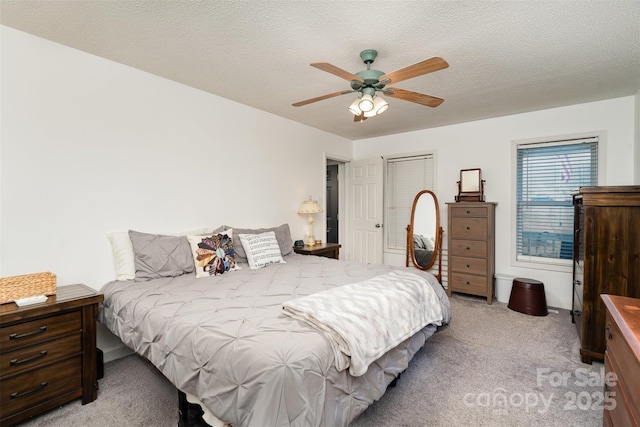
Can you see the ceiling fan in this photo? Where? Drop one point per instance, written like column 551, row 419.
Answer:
column 369, row 83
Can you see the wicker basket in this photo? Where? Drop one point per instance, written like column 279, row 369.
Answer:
column 27, row 285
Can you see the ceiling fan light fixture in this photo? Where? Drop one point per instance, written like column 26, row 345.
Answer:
column 354, row 108
column 380, row 105
column 366, row 103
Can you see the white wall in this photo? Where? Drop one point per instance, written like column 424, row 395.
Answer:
column 486, row 144
column 91, row 146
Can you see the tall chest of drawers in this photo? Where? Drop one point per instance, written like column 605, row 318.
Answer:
column 606, row 258
column 48, row 353
column 471, row 248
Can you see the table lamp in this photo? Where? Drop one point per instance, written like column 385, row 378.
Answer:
column 310, row 207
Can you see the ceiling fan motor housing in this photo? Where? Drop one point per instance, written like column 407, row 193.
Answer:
column 371, row 80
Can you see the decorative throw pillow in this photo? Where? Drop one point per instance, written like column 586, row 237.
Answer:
column 283, row 236
column 261, row 249
column 158, row 256
column 213, row 254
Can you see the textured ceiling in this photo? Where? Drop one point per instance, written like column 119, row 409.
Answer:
column 504, row 57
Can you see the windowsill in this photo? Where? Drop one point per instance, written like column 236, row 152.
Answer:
column 564, row 266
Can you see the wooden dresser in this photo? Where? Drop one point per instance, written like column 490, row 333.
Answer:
column 48, row 353
column 471, row 248
column 606, row 258
column 622, row 361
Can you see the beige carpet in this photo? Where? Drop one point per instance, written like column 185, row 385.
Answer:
column 491, row 367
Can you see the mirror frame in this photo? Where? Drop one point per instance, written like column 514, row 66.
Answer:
column 470, row 186
column 437, row 249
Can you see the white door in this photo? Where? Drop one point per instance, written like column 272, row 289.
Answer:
column 366, row 211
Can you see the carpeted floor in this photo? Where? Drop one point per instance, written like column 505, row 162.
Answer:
column 491, row 367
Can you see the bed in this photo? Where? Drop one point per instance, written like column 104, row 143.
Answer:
column 225, row 340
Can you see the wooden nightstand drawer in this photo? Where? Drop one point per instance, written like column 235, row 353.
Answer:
column 17, row 361
column 469, row 265
column 620, row 413
column 469, row 248
column 26, row 390
column 468, row 283
column 327, row 250
column 38, row 330
column 623, row 359
column 469, row 228
column 460, row 211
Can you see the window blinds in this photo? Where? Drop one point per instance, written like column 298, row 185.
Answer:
column 405, row 177
column 547, row 175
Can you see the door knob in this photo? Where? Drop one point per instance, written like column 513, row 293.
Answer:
column 378, row 225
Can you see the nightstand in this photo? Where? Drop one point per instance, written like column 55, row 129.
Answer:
column 327, row 250
column 48, row 353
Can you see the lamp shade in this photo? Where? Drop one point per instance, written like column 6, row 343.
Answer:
column 366, row 103
column 354, row 107
column 380, row 105
column 310, row 207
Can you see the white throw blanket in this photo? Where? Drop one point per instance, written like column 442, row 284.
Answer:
column 364, row 320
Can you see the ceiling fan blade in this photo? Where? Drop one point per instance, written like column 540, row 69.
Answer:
column 359, row 118
column 320, row 98
column 325, row 66
column 424, row 67
column 418, row 98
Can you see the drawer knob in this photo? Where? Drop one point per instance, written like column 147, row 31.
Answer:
column 608, row 330
column 28, row 334
column 14, row 362
column 468, row 211
column 468, row 248
column 468, row 265
column 24, row 393
column 468, row 283
column 468, row 228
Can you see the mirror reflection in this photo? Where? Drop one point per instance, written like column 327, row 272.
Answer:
column 424, row 231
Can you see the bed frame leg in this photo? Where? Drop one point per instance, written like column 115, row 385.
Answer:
column 189, row 414
column 393, row 383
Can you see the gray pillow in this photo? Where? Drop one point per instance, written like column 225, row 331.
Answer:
column 158, row 256
column 283, row 236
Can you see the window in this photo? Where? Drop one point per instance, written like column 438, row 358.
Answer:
column 405, row 177
column 547, row 175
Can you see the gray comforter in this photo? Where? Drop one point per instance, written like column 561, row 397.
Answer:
column 226, row 340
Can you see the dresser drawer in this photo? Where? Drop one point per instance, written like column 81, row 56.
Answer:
column 471, row 248
column 469, row 265
column 31, row 388
column 16, row 361
column 620, row 413
column 624, row 361
column 468, row 211
column 469, row 228
column 468, row 283
column 38, row 330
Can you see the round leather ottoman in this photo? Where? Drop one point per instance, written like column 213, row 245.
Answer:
column 527, row 296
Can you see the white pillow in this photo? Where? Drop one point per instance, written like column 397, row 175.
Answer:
column 123, row 258
column 261, row 249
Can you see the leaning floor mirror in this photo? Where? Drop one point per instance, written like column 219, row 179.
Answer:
column 424, row 233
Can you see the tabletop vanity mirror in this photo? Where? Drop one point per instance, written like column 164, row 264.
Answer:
column 470, row 186
column 424, row 233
